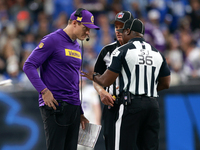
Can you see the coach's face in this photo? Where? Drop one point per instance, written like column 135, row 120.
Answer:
column 81, row 31
column 118, row 25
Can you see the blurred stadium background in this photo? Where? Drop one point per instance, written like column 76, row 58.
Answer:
column 172, row 26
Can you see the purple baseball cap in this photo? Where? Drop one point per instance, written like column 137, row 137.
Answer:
column 85, row 17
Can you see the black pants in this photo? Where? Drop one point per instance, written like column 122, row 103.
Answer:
column 61, row 129
column 110, row 116
column 132, row 127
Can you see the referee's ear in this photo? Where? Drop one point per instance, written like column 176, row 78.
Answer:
column 128, row 32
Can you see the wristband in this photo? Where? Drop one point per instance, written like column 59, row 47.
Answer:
column 44, row 91
column 95, row 74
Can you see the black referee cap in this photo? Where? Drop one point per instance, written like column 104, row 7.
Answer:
column 122, row 16
column 134, row 25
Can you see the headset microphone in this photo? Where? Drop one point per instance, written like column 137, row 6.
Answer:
column 88, row 38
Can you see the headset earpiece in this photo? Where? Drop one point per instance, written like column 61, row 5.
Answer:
column 78, row 12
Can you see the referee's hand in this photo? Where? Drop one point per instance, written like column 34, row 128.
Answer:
column 49, row 100
column 106, row 98
column 88, row 75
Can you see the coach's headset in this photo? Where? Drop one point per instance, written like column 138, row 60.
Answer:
column 79, row 14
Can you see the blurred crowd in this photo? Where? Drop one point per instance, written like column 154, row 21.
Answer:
column 171, row 26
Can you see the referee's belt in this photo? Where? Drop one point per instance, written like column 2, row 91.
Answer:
column 120, row 99
column 139, row 96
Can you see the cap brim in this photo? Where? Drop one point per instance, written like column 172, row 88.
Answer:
column 120, row 30
column 113, row 21
column 92, row 26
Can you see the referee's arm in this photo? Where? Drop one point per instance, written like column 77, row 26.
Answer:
column 164, row 76
column 163, row 83
column 106, row 79
column 106, row 98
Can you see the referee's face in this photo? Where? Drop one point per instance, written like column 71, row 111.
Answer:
column 126, row 36
column 118, row 25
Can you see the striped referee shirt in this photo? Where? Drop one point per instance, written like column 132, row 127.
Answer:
column 103, row 62
column 139, row 65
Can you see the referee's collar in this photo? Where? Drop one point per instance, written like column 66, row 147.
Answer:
column 118, row 44
column 136, row 39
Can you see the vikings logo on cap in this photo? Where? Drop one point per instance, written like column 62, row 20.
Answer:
column 41, row 45
column 79, row 19
column 120, row 15
column 92, row 19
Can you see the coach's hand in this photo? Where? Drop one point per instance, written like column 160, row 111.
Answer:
column 49, row 100
column 83, row 121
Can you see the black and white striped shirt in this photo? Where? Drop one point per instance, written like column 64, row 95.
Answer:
column 139, row 65
column 103, row 62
